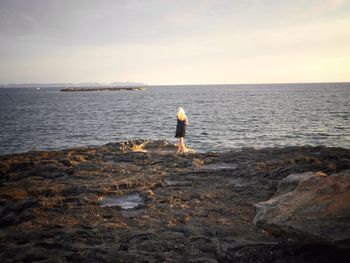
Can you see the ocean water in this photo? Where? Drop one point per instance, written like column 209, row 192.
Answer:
column 221, row 117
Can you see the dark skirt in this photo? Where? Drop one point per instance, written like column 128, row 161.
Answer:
column 180, row 129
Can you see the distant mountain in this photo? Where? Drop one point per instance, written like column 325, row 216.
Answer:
column 68, row 85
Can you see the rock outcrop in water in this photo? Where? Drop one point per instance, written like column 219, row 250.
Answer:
column 80, row 89
column 139, row 201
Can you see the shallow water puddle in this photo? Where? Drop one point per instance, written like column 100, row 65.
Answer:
column 177, row 183
column 111, row 162
column 129, row 201
column 108, row 157
column 238, row 182
column 125, row 165
column 218, row 167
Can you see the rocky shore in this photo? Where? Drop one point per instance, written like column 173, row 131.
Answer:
column 139, row 201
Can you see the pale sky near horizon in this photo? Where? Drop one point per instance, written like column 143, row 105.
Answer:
column 174, row 42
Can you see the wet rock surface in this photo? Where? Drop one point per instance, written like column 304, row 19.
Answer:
column 139, row 201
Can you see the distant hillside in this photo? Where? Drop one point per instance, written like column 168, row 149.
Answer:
column 69, row 85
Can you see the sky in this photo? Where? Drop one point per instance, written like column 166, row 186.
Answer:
column 167, row 42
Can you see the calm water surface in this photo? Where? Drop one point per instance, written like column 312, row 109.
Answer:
column 221, row 117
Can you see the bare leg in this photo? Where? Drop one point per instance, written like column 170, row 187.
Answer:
column 181, row 146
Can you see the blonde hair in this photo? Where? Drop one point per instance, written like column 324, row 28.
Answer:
column 181, row 115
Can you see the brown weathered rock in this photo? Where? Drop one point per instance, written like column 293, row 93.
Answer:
column 71, row 205
column 309, row 208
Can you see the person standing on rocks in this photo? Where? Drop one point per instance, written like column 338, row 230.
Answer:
column 182, row 123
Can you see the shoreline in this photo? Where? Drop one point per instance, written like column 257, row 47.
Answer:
column 140, row 140
column 70, row 205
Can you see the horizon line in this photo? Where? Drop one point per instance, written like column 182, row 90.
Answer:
column 8, row 85
column 257, row 83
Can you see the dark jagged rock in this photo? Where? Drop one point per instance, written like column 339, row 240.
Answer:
column 196, row 207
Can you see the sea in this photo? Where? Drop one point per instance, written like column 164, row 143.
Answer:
column 221, row 117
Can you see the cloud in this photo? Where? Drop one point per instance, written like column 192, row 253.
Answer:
column 334, row 3
column 328, row 5
column 160, row 41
